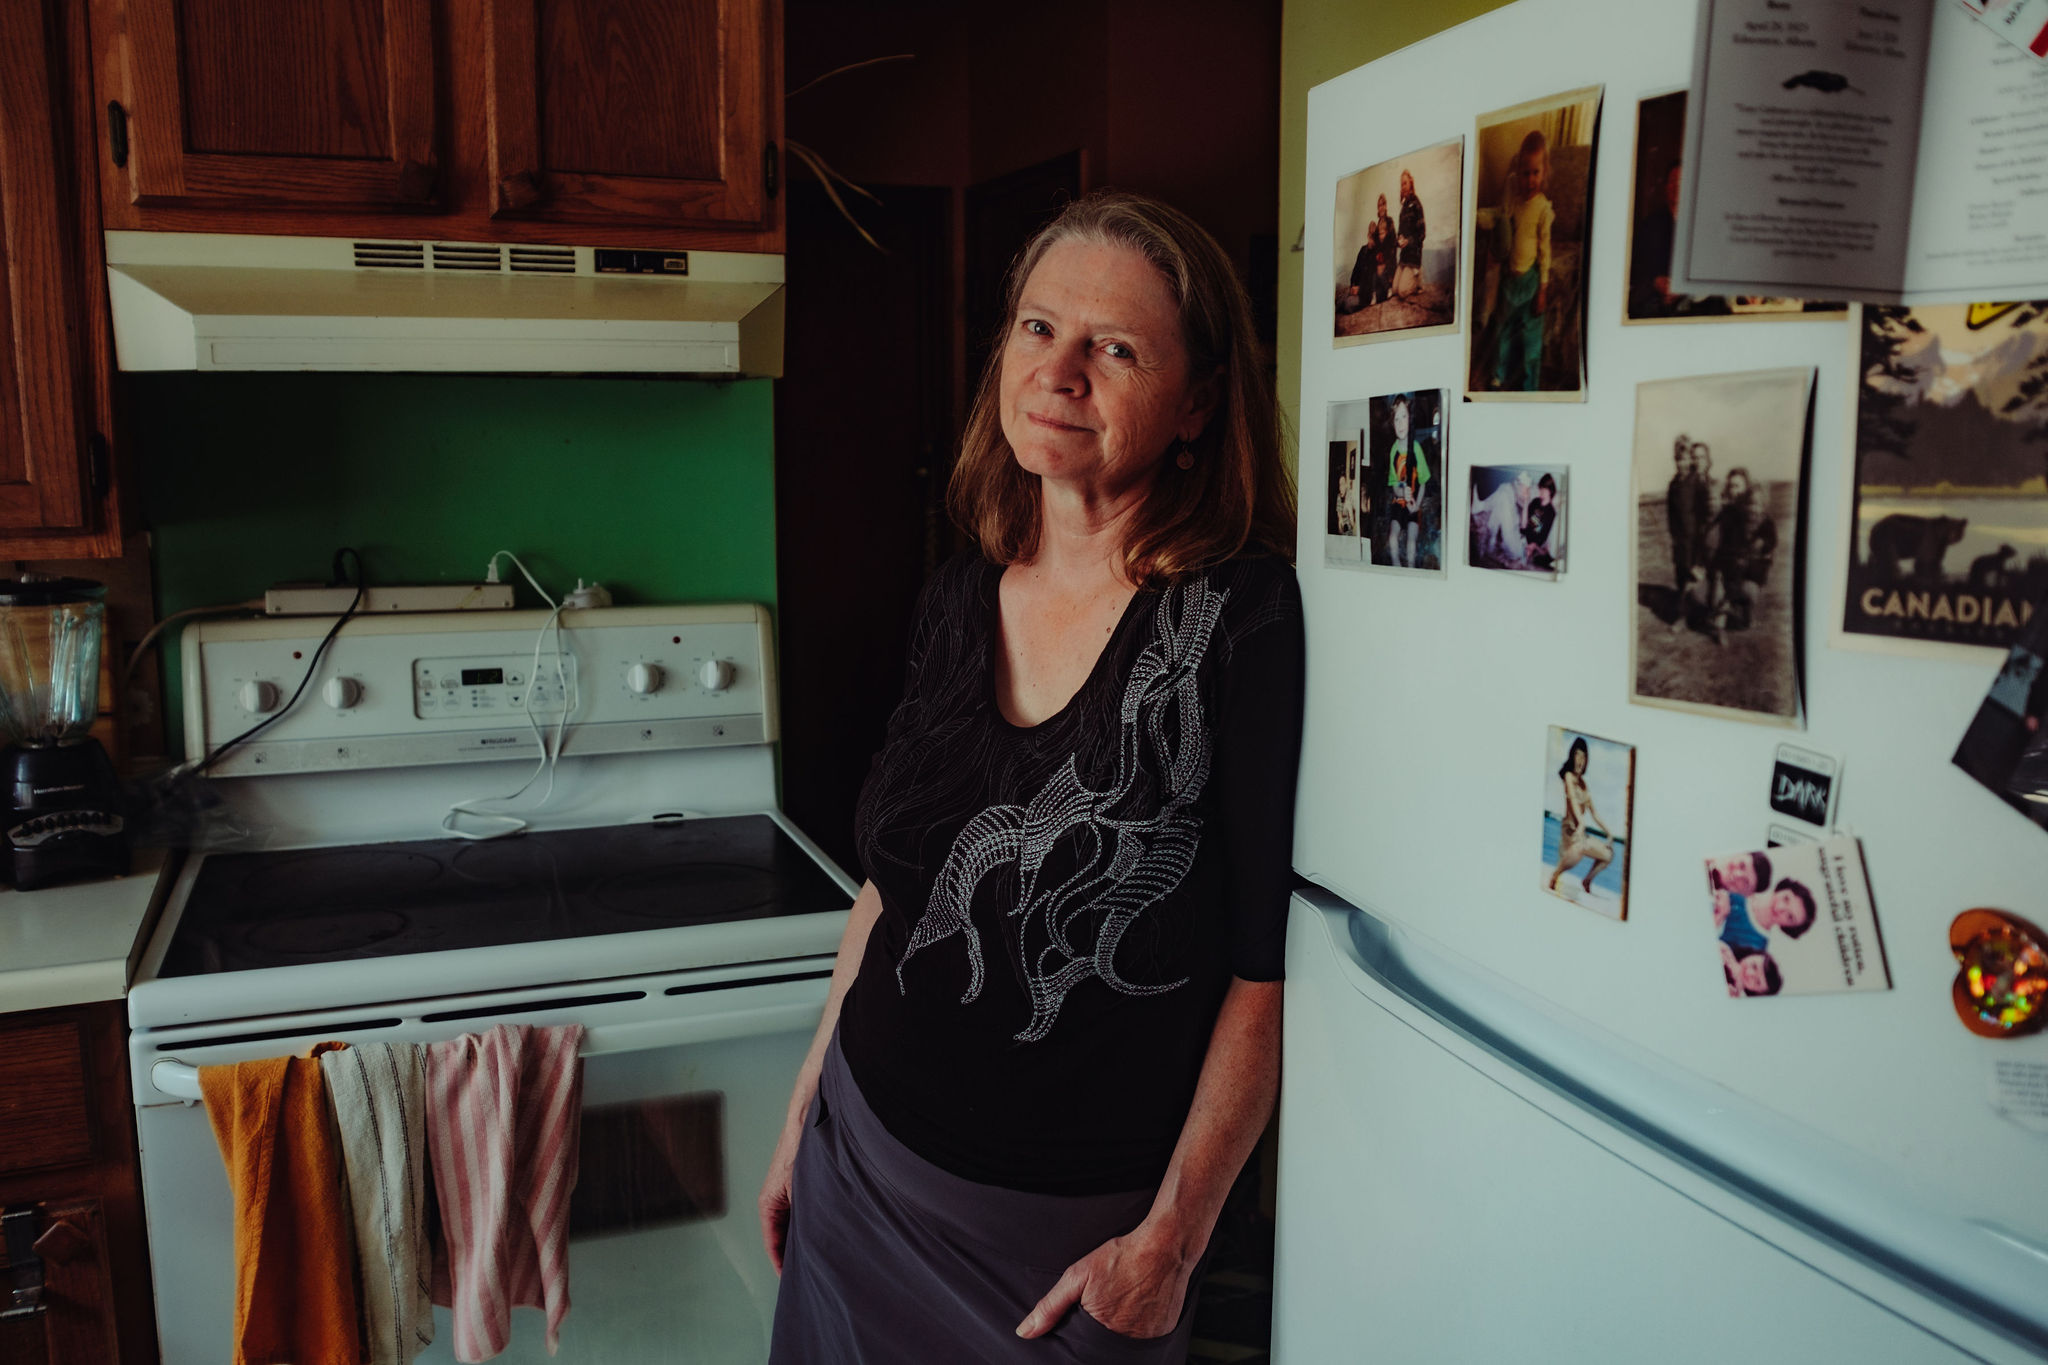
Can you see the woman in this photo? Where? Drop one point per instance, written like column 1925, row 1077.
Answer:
column 1742, row 544
column 1407, row 475
column 1575, row 841
column 1052, row 1034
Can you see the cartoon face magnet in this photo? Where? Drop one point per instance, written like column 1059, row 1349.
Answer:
column 2001, row 990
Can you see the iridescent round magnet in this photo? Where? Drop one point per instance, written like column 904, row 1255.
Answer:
column 2002, row 989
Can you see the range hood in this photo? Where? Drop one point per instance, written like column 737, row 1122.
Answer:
column 219, row 301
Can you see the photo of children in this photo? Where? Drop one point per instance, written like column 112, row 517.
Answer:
column 2006, row 746
column 1527, row 283
column 1653, row 199
column 1395, row 249
column 1588, row 801
column 1348, row 501
column 1796, row 920
column 1404, row 482
column 1947, row 531
column 1518, row 518
column 1717, row 470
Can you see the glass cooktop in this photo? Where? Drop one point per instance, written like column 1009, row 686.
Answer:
column 299, row 906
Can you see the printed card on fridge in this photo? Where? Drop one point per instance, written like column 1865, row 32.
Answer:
column 1796, row 920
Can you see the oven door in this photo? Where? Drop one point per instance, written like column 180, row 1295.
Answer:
column 686, row 1081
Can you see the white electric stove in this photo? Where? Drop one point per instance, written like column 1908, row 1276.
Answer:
column 656, row 896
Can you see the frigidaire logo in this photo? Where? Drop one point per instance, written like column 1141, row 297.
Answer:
column 1800, row 793
column 500, row 739
column 52, row 791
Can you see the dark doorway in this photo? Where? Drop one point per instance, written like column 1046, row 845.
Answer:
column 863, row 434
column 1001, row 216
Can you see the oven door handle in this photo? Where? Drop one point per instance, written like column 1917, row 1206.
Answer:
column 180, row 1080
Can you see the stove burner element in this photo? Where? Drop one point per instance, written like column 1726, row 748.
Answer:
column 327, row 936
column 515, row 861
column 689, row 893
column 337, row 876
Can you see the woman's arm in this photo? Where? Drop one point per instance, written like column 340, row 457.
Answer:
column 774, row 1200
column 1135, row 1284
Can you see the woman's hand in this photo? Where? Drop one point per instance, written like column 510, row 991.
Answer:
column 774, row 1200
column 1134, row 1285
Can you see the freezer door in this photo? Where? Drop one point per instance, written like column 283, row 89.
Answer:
column 1438, row 1202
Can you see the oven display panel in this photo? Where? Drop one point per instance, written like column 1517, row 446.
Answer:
column 495, row 686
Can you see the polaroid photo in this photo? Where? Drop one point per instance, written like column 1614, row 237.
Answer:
column 1717, row 472
column 1796, row 920
column 1946, row 526
column 1653, row 225
column 1525, row 284
column 1404, row 482
column 1395, row 250
column 1588, row 802
column 2006, row 746
column 1518, row 518
column 1345, row 504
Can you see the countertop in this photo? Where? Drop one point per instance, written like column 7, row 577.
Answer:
column 68, row 945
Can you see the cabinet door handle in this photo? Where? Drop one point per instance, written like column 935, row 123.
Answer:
column 62, row 1242
column 99, row 460
column 117, row 133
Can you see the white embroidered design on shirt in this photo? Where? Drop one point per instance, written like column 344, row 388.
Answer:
column 1124, row 863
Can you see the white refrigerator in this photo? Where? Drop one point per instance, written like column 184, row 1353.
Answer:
column 1512, row 1128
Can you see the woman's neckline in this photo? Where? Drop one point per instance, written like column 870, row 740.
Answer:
column 992, row 609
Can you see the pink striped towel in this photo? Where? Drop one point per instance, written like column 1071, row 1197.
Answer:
column 502, row 1124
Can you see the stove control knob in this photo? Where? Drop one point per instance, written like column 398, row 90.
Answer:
column 258, row 697
column 716, row 675
column 644, row 679
column 342, row 693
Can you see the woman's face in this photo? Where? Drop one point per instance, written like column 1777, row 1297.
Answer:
column 1579, row 760
column 1738, row 484
column 1400, row 421
column 1407, row 184
column 1095, row 381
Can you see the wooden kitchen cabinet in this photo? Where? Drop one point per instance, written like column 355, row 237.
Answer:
column 68, row 1162
column 56, row 475
column 600, row 122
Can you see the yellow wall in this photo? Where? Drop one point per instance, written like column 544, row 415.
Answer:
column 1320, row 39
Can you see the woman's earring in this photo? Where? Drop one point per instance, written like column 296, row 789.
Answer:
column 1186, row 458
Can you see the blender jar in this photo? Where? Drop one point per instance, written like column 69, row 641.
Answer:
column 50, row 632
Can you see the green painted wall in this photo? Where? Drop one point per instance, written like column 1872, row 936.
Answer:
column 662, row 490
column 1320, row 39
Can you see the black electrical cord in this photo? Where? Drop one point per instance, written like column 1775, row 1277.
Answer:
column 312, row 667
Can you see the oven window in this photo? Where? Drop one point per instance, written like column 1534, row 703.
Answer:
column 650, row 1163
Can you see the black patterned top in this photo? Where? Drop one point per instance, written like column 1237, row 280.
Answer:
column 1064, row 905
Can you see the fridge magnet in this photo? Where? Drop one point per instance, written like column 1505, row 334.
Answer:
column 1947, row 529
column 1526, row 284
column 1588, row 801
column 1404, row 482
column 1653, row 223
column 1796, row 920
column 1717, row 469
column 2001, row 985
column 2006, row 746
column 1346, row 503
column 1803, row 786
column 1396, row 246
column 1518, row 518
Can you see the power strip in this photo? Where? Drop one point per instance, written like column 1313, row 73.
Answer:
column 318, row 599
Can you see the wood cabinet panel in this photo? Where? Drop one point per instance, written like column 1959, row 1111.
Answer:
column 260, row 103
column 78, row 1323
column 646, row 111
column 42, row 435
column 44, row 1116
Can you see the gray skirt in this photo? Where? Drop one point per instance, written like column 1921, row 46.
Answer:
column 891, row 1259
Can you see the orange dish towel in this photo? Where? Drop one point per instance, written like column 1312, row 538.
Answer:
column 504, row 1110
column 295, row 1294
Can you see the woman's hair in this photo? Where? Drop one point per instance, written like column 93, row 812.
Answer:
column 1579, row 746
column 1805, row 898
column 1237, row 496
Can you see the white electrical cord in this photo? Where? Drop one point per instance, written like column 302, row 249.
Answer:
column 512, row 824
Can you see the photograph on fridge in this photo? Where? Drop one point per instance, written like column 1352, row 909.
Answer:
column 1717, row 475
column 2006, row 746
column 1518, row 518
column 1526, row 286
column 1588, row 801
column 1404, row 482
column 1346, row 501
column 1395, row 247
column 1653, row 225
column 1946, row 532
column 1796, row 919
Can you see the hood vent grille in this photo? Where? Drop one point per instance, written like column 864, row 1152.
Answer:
column 544, row 260
column 390, row 255
column 465, row 256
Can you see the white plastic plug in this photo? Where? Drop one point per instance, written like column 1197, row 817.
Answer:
column 583, row 598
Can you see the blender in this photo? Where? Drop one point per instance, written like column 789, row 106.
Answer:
column 64, row 811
